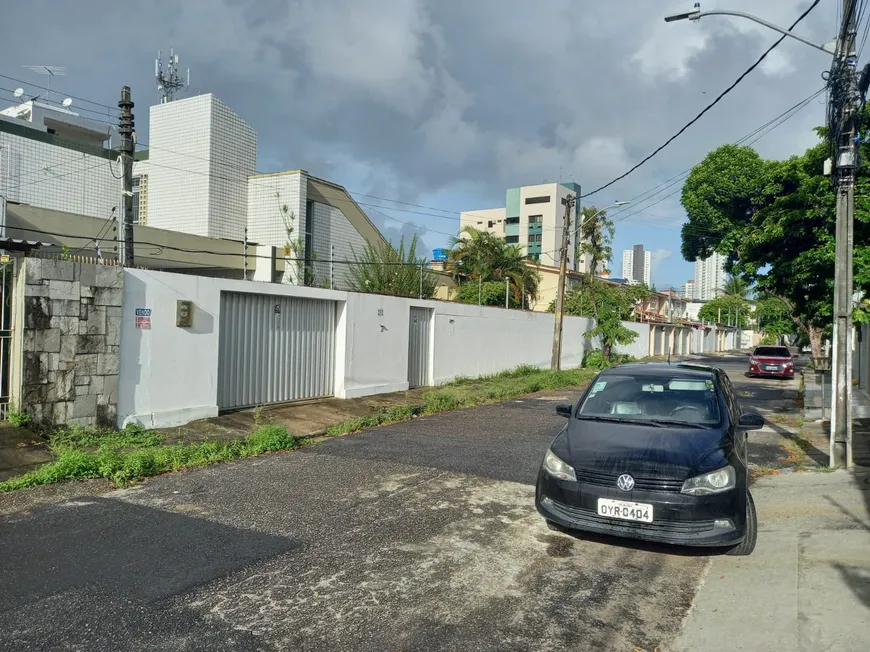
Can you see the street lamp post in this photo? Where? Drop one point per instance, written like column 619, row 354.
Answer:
column 556, row 361
column 846, row 163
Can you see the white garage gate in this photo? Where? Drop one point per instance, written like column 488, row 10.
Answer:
column 274, row 349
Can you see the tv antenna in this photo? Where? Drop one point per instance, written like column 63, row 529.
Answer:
column 169, row 82
column 48, row 71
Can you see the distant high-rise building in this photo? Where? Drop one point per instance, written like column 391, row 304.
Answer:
column 637, row 265
column 709, row 277
column 687, row 290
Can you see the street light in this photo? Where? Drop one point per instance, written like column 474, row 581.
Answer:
column 696, row 14
column 592, row 217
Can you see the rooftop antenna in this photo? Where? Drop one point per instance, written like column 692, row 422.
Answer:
column 49, row 71
column 169, row 81
column 17, row 93
column 67, row 103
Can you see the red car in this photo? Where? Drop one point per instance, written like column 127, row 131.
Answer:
column 773, row 361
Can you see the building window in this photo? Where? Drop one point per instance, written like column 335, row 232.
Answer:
column 535, row 237
column 536, row 219
column 535, row 257
column 137, row 188
column 490, row 224
column 512, row 239
column 538, row 200
column 512, row 220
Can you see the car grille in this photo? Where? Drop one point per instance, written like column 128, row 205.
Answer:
column 640, row 483
column 590, row 519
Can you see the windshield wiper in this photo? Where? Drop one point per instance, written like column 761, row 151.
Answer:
column 675, row 422
column 638, row 422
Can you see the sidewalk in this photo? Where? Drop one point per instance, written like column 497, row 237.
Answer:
column 807, row 585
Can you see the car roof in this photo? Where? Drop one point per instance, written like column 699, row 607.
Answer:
column 680, row 370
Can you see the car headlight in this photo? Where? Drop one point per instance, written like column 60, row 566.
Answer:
column 557, row 468
column 711, row 483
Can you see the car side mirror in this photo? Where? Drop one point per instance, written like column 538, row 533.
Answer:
column 751, row 421
column 565, row 410
column 749, row 355
column 795, row 356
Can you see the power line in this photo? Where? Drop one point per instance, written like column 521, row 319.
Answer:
column 708, row 107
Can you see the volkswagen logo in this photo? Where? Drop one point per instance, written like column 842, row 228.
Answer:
column 625, row 482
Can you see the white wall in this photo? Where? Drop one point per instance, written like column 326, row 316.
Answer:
column 57, row 178
column 169, row 375
column 267, row 193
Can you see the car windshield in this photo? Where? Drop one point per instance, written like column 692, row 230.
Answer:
column 655, row 399
column 772, row 352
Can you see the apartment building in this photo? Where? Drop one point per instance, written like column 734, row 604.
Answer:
column 53, row 158
column 196, row 176
column 533, row 217
column 687, row 289
column 637, row 265
column 709, row 277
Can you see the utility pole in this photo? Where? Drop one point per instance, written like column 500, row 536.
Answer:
column 126, row 125
column 245, row 271
column 846, row 164
column 556, row 362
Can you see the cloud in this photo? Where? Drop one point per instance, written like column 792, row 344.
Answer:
column 659, row 256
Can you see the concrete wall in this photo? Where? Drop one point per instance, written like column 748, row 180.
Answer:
column 168, row 374
column 68, row 342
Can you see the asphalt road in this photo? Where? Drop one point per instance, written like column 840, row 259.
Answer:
column 418, row 536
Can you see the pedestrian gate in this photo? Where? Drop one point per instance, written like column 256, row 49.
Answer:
column 418, row 347
column 274, row 349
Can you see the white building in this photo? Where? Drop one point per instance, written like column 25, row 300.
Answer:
column 709, row 277
column 637, row 265
column 534, row 217
column 687, row 290
column 196, row 176
column 199, row 160
column 51, row 157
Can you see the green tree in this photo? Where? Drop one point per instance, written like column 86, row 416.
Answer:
column 490, row 293
column 384, row 269
column 773, row 317
column 482, row 256
column 727, row 309
column 610, row 304
column 735, row 286
column 596, row 238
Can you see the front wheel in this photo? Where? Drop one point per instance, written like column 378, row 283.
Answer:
column 748, row 544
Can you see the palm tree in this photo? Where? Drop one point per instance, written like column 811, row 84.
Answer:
column 483, row 256
column 735, row 286
column 384, row 269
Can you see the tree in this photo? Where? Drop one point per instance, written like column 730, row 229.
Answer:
column 596, row 238
column 726, row 309
column 490, row 293
column 773, row 316
column 735, row 286
column 610, row 304
column 485, row 257
column 383, row 269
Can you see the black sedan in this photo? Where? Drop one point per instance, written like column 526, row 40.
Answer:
column 654, row 452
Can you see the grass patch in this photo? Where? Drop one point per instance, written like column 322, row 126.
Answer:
column 797, row 449
column 761, row 471
column 782, row 419
column 132, row 454
column 464, row 392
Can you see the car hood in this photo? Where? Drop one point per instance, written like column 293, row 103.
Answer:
column 645, row 451
column 771, row 360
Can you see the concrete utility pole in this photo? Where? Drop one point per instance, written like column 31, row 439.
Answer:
column 846, row 165
column 126, row 125
column 556, row 361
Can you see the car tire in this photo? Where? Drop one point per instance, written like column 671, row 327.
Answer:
column 748, row 544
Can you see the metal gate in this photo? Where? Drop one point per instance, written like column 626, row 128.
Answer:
column 7, row 276
column 418, row 347
column 274, row 349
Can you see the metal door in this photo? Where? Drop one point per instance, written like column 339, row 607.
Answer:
column 418, row 347
column 274, row 349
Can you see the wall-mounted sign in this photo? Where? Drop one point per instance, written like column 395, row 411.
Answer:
column 380, row 312
column 277, row 308
column 143, row 318
column 184, row 314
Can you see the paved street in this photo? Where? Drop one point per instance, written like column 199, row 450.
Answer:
column 419, row 536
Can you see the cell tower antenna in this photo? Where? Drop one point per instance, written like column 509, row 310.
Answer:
column 49, row 71
column 169, row 81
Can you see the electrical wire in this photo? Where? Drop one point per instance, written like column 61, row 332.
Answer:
column 707, row 108
column 54, row 90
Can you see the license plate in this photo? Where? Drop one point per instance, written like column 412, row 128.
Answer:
column 625, row 510
column 771, row 368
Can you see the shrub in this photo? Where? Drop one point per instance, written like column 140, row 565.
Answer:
column 595, row 360
column 18, row 418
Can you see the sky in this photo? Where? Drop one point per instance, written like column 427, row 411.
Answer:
column 424, row 108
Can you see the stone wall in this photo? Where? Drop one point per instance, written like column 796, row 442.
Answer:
column 71, row 342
